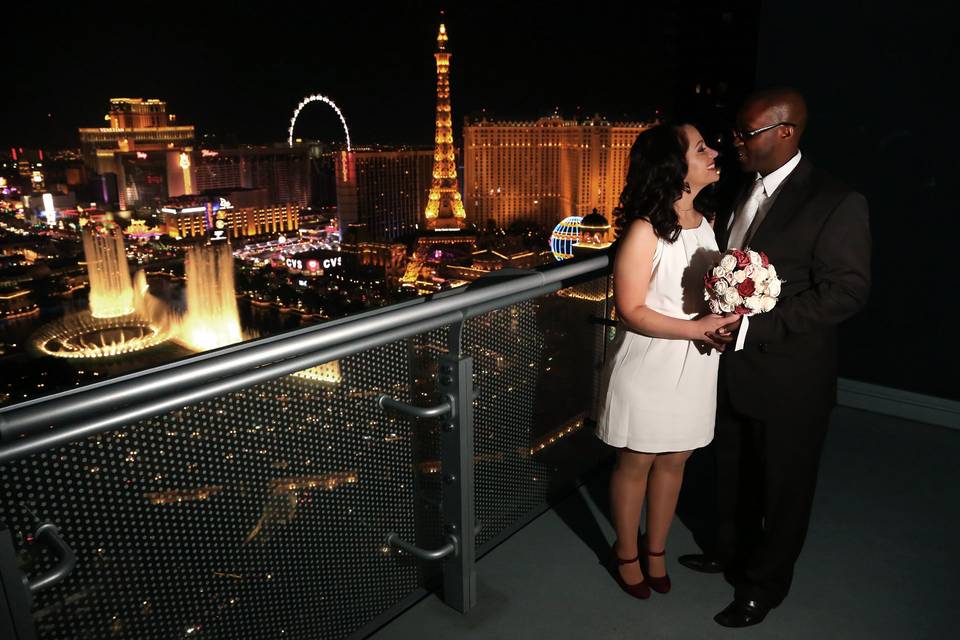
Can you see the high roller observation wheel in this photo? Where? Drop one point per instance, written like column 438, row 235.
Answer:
column 317, row 98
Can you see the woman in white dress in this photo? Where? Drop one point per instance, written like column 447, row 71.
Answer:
column 661, row 379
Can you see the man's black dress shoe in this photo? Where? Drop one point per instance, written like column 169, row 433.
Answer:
column 742, row 613
column 701, row 563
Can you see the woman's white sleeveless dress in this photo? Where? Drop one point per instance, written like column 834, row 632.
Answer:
column 661, row 395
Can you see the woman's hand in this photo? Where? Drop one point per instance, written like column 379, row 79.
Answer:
column 727, row 333
column 706, row 327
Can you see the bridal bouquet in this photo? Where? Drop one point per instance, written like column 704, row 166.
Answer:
column 744, row 283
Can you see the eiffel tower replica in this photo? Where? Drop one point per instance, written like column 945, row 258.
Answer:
column 445, row 219
column 444, row 205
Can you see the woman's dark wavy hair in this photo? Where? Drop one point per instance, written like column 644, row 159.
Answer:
column 655, row 180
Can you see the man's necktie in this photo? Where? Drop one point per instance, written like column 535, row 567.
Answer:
column 743, row 219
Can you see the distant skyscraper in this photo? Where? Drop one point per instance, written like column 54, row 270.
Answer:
column 545, row 170
column 218, row 170
column 284, row 172
column 444, row 208
column 143, row 177
column 142, row 148
column 135, row 124
column 384, row 191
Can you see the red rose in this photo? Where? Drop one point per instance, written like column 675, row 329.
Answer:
column 741, row 310
column 746, row 288
column 764, row 260
column 743, row 260
column 710, row 280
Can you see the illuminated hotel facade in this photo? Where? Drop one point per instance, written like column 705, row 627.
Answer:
column 383, row 191
column 242, row 213
column 135, row 124
column 544, row 170
column 143, row 148
column 216, row 169
column 284, row 172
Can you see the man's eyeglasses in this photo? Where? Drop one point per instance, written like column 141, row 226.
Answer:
column 747, row 135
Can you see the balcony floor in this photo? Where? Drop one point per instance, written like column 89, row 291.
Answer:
column 880, row 560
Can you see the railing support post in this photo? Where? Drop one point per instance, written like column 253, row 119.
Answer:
column 16, row 619
column 455, row 379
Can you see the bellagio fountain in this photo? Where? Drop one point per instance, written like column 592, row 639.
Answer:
column 123, row 317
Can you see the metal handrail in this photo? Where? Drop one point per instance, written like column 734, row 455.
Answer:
column 39, row 424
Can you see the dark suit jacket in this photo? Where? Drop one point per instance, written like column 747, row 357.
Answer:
column 817, row 235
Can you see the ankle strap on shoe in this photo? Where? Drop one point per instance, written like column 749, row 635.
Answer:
column 657, row 554
column 622, row 561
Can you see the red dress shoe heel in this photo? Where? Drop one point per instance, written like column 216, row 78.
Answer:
column 659, row 584
column 639, row 590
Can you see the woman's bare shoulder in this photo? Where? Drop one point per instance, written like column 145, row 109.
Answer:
column 640, row 241
column 640, row 231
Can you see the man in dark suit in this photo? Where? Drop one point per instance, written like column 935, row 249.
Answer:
column 778, row 375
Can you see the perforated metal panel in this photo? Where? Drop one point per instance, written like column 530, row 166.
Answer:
column 536, row 368
column 263, row 513
column 260, row 514
column 507, row 346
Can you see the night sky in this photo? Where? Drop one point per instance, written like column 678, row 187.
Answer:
column 242, row 74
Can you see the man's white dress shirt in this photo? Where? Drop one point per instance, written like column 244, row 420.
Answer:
column 771, row 188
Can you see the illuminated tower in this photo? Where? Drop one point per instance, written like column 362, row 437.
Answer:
column 444, row 206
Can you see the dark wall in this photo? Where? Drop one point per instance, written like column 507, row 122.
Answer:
column 880, row 84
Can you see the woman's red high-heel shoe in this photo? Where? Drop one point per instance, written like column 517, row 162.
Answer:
column 639, row 590
column 661, row 584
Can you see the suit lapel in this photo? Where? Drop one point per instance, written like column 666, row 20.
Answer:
column 793, row 191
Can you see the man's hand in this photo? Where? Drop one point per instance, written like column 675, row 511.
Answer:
column 725, row 335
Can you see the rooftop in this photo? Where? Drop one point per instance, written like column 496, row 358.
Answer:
column 878, row 562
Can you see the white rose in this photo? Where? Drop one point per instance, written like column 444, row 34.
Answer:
column 773, row 287
column 755, row 259
column 771, row 271
column 767, row 303
column 728, row 262
column 760, row 274
column 754, row 303
column 725, row 308
column 720, row 272
column 739, row 276
column 715, row 306
column 720, row 286
column 732, row 297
